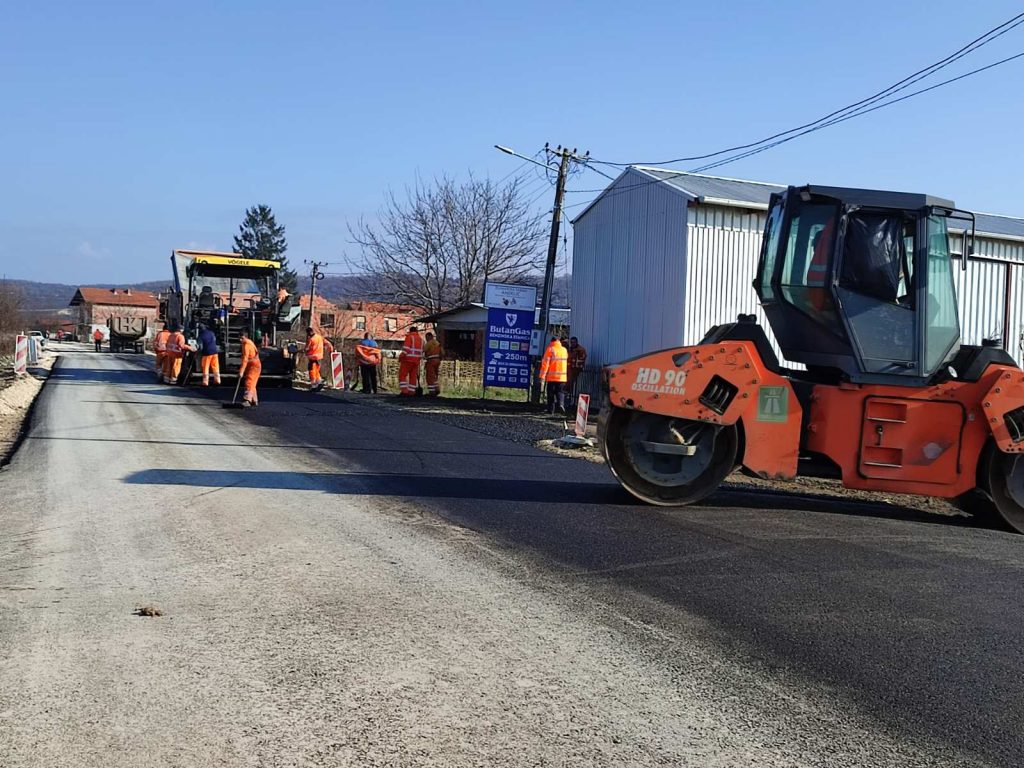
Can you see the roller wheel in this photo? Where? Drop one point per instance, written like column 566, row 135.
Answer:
column 668, row 461
column 998, row 472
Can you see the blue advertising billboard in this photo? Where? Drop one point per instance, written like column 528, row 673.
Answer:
column 507, row 347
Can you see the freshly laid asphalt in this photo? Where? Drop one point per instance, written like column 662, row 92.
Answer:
column 349, row 584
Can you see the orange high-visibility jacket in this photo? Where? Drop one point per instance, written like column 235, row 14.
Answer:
column 160, row 342
column 412, row 348
column 554, row 364
column 432, row 350
column 315, row 347
column 175, row 344
column 250, row 354
column 328, row 349
column 367, row 355
column 97, row 335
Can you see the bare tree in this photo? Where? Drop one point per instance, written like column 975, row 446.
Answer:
column 11, row 303
column 437, row 247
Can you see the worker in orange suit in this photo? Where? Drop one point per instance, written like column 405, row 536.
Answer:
column 174, row 351
column 160, row 347
column 554, row 373
column 817, row 270
column 409, row 362
column 97, row 337
column 249, row 370
column 314, row 357
column 432, row 354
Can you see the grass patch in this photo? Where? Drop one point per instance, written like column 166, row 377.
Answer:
column 477, row 391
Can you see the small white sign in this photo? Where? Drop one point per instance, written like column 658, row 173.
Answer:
column 536, row 342
column 508, row 296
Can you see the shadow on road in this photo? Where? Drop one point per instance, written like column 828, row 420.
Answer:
column 492, row 489
column 71, row 374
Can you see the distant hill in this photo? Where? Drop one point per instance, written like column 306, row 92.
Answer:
column 55, row 296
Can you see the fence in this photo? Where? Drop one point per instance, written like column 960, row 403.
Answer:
column 453, row 374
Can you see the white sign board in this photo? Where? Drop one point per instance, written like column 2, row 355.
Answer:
column 506, row 296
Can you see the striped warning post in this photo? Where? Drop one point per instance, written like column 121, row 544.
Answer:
column 582, row 412
column 21, row 354
column 337, row 371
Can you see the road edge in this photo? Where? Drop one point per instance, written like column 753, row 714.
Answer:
column 41, row 374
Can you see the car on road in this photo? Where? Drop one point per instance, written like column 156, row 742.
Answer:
column 39, row 338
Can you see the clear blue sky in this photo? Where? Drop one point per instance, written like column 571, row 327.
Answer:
column 131, row 128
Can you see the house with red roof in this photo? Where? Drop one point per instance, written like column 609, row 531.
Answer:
column 349, row 320
column 95, row 306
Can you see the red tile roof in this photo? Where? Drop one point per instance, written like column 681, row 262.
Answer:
column 121, row 297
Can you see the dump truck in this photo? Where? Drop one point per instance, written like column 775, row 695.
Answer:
column 228, row 292
column 127, row 333
column 858, row 288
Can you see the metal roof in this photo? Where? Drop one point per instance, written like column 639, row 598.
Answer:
column 475, row 313
column 741, row 193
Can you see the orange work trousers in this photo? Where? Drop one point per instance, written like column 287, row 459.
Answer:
column 172, row 367
column 210, row 363
column 433, row 367
column 408, row 376
column 249, row 380
column 314, row 372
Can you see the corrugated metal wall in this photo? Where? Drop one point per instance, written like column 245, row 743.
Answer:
column 723, row 247
column 982, row 293
column 628, row 277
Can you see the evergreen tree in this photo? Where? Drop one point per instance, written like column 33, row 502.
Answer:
column 261, row 237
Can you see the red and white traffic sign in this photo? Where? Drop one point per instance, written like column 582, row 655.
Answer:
column 21, row 354
column 582, row 412
column 337, row 371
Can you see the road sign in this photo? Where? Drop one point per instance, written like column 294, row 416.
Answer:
column 773, row 404
column 582, row 412
column 507, row 348
column 21, row 354
column 508, row 296
column 337, row 371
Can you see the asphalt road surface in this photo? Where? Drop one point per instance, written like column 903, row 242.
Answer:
column 345, row 584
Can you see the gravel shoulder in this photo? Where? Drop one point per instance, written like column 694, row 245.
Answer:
column 17, row 394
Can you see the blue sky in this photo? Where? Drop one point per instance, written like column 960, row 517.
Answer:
column 132, row 128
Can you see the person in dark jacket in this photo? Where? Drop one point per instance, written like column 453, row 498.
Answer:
column 209, row 355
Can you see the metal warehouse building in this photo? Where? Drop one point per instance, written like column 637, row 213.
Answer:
column 660, row 256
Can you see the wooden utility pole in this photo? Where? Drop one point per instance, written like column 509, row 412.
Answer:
column 565, row 156
column 314, row 275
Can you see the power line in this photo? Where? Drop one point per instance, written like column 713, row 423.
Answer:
column 857, row 113
column 906, row 82
column 672, row 174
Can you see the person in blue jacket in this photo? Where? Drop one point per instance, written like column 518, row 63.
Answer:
column 209, row 355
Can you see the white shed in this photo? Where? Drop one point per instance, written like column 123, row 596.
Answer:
column 661, row 256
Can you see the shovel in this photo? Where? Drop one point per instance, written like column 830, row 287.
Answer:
column 234, row 400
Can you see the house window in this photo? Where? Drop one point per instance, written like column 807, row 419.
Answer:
column 390, row 324
column 359, row 322
column 327, row 321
